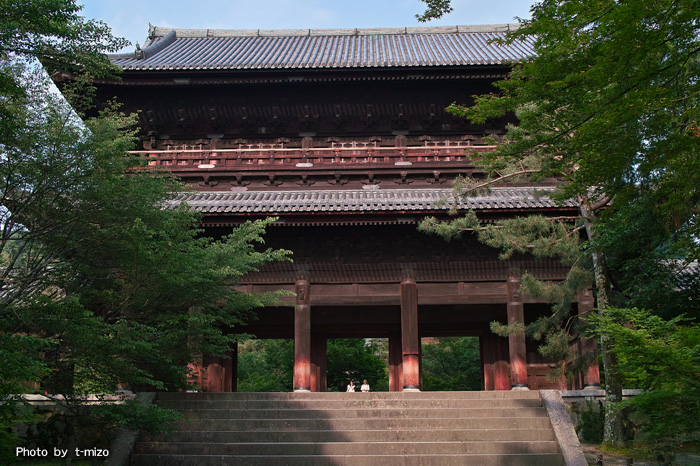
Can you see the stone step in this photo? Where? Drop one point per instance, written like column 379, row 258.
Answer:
column 361, row 429
column 360, row 424
column 189, row 403
column 433, row 435
column 517, row 459
column 318, row 396
column 346, row 448
column 363, row 413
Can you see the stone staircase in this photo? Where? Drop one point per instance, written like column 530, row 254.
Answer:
column 360, row 429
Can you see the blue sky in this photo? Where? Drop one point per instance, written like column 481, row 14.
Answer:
column 130, row 18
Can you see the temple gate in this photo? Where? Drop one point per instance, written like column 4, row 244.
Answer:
column 342, row 135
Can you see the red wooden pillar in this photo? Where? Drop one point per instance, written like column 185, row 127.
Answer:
column 218, row 373
column 395, row 363
column 501, row 369
column 410, row 342
column 302, row 338
column 589, row 346
column 318, row 363
column 487, row 360
column 496, row 371
column 234, row 367
column 322, row 366
column 516, row 342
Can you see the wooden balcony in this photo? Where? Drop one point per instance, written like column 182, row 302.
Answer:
column 338, row 155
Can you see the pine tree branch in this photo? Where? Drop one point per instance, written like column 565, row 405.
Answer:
column 496, row 180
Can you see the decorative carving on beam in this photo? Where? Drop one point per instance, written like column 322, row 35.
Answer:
column 304, row 180
column 272, row 180
column 437, row 178
column 403, row 179
column 239, row 181
column 208, row 182
column 337, row 179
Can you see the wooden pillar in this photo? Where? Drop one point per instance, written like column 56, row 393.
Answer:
column 420, row 363
column 318, row 363
column 516, row 341
column 218, row 373
column 313, row 379
column 395, row 363
column 302, row 338
column 589, row 346
column 322, row 366
column 496, row 369
column 234, row 367
column 487, row 360
column 501, row 369
column 410, row 342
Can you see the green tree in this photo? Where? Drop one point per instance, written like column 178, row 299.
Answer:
column 663, row 357
column 53, row 32
column 268, row 365
column 265, row 366
column 434, row 9
column 103, row 284
column 356, row 359
column 608, row 106
column 451, row 364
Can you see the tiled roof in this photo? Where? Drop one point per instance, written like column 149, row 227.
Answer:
column 379, row 200
column 208, row 49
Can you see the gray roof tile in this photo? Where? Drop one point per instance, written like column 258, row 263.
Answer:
column 187, row 49
column 379, row 200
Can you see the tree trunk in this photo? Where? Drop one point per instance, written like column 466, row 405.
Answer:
column 613, row 428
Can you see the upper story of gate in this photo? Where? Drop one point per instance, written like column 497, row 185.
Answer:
column 313, row 109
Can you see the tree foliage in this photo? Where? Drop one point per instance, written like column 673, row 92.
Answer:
column 662, row 357
column 434, row 9
column 103, row 284
column 608, row 107
column 356, row 359
column 266, row 366
column 54, row 32
column 451, row 364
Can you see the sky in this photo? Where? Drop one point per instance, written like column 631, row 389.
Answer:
column 130, row 18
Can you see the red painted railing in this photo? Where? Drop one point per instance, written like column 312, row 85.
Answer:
column 249, row 156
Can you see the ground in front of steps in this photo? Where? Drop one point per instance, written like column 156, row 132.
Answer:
column 609, row 459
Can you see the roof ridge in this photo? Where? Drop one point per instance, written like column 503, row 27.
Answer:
column 156, row 31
